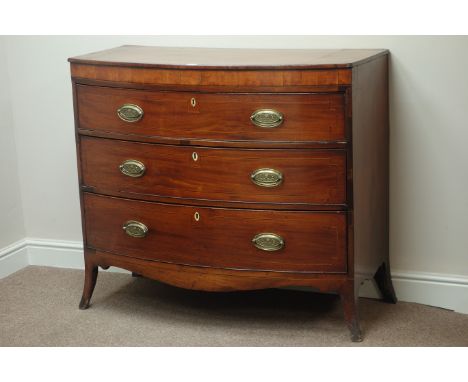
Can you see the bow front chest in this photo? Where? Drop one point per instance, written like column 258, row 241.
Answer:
column 235, row 169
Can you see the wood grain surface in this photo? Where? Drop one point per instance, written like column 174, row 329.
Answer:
column 228, row 58
column 307, row 117
column 217, row 279
column 309, row 176
column 331, row 209
column 221, row 238
column 248, row 80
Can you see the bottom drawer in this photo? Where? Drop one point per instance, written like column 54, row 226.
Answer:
column 217, row 237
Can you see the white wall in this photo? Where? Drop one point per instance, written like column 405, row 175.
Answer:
column 429, row 114
column 11, row 220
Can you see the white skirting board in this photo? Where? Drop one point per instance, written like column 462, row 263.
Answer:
column 440, row 290
column 13, row 258
column 60, row 254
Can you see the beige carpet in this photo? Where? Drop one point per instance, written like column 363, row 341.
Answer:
column 39, row 307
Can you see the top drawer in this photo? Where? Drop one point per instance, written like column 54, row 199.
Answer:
column 213, row 116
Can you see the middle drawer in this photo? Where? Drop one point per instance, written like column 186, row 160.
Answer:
column 293, row 176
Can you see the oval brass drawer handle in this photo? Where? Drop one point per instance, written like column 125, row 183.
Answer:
column 130, row 112
column 266, row 118
column 133, row 168
column 134, row 228
column 268, row 242
column 267, row 177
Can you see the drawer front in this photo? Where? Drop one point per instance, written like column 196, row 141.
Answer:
column 237, row 175
column 217, row 237
column 215, row 117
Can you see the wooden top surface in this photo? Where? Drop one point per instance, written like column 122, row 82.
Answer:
column 220, row 58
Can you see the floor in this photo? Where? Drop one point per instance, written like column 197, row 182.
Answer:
column 39, row 307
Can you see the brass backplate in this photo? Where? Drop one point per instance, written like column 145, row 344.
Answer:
column 268, row 242
column 130, row 112
column 267, row 177
column 268, row 118
column 135, row 228
column 132, row 168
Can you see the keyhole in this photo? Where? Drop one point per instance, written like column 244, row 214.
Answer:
column 193, row 102
column 196, row 216
column 195, row 156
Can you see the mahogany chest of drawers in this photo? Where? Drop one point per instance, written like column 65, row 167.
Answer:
column 235, row 169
